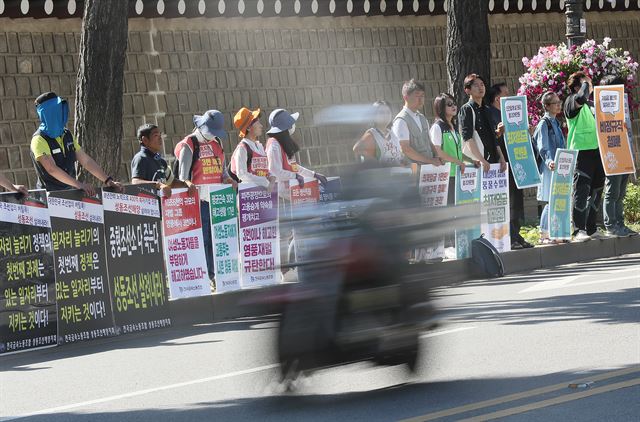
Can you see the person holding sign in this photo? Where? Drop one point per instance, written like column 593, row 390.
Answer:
column 148, row 166
column 548, row 138
column 281, row 150
column 379, row 143
column 10, row 187
column 200, row 158
column 249, row 159
column 480, row 141
column 412, row 128
column 447, row 140
column 589, row 176
column 55, row 151
column 615, row 189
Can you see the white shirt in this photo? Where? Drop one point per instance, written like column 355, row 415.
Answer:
column 239, row 158
column 274, row 155
column 436, row 135
column 400, row 127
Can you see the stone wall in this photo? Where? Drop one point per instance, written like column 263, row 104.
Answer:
column 178, row 67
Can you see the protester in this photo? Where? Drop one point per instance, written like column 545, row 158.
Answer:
column 494, row 94
column 476, row 128
column 412, row 128
column 615, row 189
column 447, row 140
column 516, row 196
column 548, row 138
column 201, row 161
column 148, row 166
column 589, row 176
column 379, row 143
column 281, row 150
column 55, row 151
column 249, row 159
column 10, row 187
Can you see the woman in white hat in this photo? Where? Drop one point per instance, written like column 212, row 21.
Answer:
column 281, row 150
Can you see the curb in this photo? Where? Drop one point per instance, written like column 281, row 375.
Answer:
column 250, row 303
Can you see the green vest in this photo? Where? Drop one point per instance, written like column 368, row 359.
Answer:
column 451, row 144
column 582, row 131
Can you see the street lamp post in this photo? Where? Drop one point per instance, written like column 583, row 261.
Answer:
column 576, row 23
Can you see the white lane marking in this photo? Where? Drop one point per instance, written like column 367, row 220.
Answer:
column 139, row 393
column 558, row 284
column 440, row 333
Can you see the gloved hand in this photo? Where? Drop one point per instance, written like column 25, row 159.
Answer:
column 321, row 178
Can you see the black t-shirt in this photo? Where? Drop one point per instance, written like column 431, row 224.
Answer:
column 148, row 165
column 484, row 127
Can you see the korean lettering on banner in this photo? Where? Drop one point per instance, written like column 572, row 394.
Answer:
column 259, row 235
column 518, row 142
column 224, row 232
column 82, row 287
column 560, row 205
column 467, row 192
column 135, row 259
column 433, row 187
column 28, row 317
column 331, row 190
column 184, row 245
column 615, row 148
column 495, row 207
column 309, row 193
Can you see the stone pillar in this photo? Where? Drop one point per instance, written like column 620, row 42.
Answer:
column 576, row 23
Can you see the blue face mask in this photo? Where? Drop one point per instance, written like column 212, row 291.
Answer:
column 53, row 114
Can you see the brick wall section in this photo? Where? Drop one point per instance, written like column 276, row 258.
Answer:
column 179, row 67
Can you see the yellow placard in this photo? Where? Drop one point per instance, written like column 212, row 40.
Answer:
column 615, row 149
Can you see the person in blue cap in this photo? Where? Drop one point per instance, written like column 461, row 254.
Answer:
column 200, row 159
column 200, row 155
column 281, row 150
column 54, row 150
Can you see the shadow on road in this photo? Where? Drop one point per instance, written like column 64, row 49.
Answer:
column 616, row 307
column 393, row 402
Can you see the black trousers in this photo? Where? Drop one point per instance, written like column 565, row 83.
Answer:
column 588, row 182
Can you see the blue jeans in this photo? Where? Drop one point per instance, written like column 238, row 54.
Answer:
column 206, row 237
column 615, row 188
column 544, row 220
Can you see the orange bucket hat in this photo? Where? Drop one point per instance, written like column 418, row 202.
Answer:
column 244, row 118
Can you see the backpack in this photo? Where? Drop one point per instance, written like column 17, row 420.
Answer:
column 487, row 257
column 534, row 144
column 249, row 158
column 196, row 156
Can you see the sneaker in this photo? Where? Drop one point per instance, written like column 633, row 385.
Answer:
column 614, row 232
column 581, row 236
column 515, row 245
column 628, row 231
column 599, row 235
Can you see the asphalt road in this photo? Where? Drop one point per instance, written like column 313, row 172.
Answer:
column 508, row 348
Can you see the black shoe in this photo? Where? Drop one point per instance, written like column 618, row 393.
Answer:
column 515, row 245
column 526, row 244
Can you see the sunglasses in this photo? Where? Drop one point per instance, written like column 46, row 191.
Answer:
column 450, row 104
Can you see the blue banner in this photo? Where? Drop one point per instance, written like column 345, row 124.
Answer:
column 516, row 138
column 467, row 192
column 560, row 205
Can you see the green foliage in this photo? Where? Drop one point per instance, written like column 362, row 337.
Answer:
column 632, row 204
column 531, row 234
